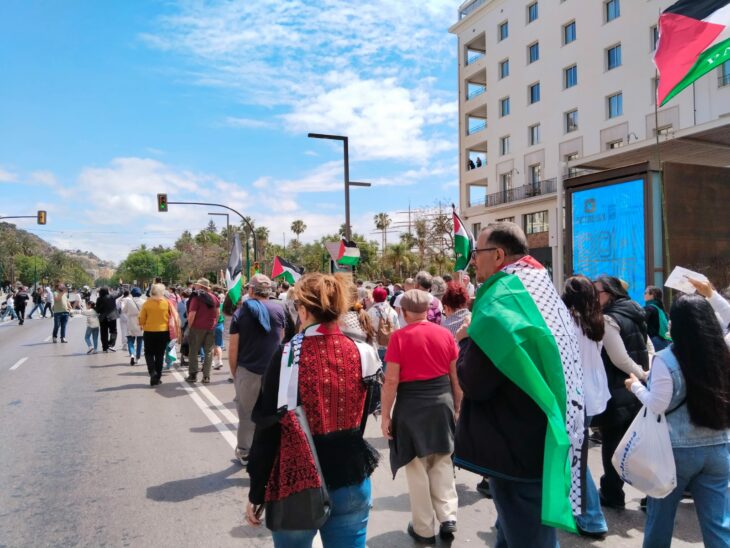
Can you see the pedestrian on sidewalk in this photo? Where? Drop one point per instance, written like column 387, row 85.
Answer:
column 92, row 328
column 106, row 306
column 154, row 319
column 131, row 307
column 48, row 301
column 328, row 365
column 203, row 312
column 20, row 301
column 256, row 332
column 421, row 370
column 61, row 311
column 37, row 302
column 123, row 319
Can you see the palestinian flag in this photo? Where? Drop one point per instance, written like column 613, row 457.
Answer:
column 234, row 271
column 286, row 270
column 349, row 253
column 463, row 242
column 518, row 322
column 694, row 38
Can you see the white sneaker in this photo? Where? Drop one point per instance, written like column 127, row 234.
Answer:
column 241, row 456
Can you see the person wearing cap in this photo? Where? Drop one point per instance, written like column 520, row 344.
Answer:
column 257, row 329
column 421, row 378
column 384, row 320
column 203, row 312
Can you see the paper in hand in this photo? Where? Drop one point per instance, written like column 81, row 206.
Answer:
column 678, row 279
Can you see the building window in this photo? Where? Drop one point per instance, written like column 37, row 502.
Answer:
column 654, row 37
column 571, row 121
column 504, row 106
column 534, row 93
column 476, row 228
column 569, row 33
column 615, row 105
column 613, row 57
column 531, row 12
column 505, row 182
column 504, row 145
column 612, row 145
column 503, row 69
column 613, row 10
column 536, row 222
column 533, row 52
column 506, row 220
column 535, row 173
column 572, row 171
column 534, row 135
column 724, row 78
column 664, row 131
column 503, row 30
column 570, row 76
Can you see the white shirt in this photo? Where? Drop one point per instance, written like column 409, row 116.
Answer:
column 616, row 350
column 595, row 382
column 396, row 304
column 721, row 308
column 659, row 394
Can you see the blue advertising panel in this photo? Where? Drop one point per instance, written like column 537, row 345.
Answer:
column 609, row 234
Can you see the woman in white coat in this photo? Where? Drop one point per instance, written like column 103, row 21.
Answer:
column 130, row 308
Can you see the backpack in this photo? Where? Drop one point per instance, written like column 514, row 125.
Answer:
column 434, row 314
column 385, row 329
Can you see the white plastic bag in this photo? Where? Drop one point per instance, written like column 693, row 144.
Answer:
column 644, row 457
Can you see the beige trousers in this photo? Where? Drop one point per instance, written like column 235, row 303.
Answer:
column 432, row 489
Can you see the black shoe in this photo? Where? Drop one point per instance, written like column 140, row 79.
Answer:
column 615, row 504
column 55, row 340
column 483, row 488
column 131, row 361
column 588, row 534
column 191, row 378
column 418, row 538
column 447, row 530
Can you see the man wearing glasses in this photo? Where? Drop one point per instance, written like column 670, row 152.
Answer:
column 521, row 420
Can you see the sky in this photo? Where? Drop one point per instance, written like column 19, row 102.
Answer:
column 105, row 104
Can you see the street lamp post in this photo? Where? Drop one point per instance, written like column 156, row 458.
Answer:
column 228, row 226
column 348, row 183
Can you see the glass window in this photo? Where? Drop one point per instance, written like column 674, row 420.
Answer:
column 570, row 77
column 572, row 171
column 534, row 93
column 504, row 69
column 504, row 106
column 532, row 12
column 615, row 144
column 504, row 145
column 535, row 173
column 569, row 33
column 613, row 10
column 654, row 37
column 571, row 121
column 506, row 220
column 534, row 134
column 724, row 79
column 613, row 57
column 476, row 228
column 615, row 105
column 503, row 30
column 533, row 52
column 536, row 222
column 505, row 181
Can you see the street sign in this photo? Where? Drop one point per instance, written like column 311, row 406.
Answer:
column 162, row 203
column 41, row 218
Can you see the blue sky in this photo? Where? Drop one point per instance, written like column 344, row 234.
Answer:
column 105, row 104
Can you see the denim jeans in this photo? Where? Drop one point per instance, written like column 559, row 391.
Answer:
column 92, row 333
column 705, row 472
column 130, row 346
column 346, row 526
column 592, row 519
column 519, row 511
column 60, row 319
column 38, row 306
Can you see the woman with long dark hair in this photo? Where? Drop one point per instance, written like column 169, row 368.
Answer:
column 625, row 351
column 690, row 383
column 656, row 318
column 581, row 299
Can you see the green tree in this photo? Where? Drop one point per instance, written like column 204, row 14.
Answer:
column 382, row 222
column 141, row 265
column 298, row 227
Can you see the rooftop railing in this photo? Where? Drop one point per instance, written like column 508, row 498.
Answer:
column 476, row 128
column 470, row 8
column 475, row 93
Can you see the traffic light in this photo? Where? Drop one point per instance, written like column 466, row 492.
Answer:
column 162, row 203
column 41, row 217
column 256, row 267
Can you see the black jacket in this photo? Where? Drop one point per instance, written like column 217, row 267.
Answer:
column 106, row 306
column 501, row 431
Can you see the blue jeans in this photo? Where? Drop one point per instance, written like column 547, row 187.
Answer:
column 705, row 472
column 346, row 526
column 60, row 319
column 592, row 519
column 130, row 346
column 38, row 306
column 519, row 511
column 92, row 333
column 219, row 334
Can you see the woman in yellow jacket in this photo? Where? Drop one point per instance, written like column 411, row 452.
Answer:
column 156, row 324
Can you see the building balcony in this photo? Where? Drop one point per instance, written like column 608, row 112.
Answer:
column 476, row 103
column 475, row 63
column 532, row 190
column 474, row 175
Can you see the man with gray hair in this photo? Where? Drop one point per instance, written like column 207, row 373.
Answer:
column 425, row 282
column 257, row 329
column 408, row 283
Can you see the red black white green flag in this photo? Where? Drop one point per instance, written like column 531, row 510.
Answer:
column 291, row 273
column 694, row 38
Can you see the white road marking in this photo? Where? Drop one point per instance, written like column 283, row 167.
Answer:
column 17, row 364
column 218, row 406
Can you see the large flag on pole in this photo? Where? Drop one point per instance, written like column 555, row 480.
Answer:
column 349, row 253
column 234, row 271
column 694, row 38
column 286, row 270
column 463, row 242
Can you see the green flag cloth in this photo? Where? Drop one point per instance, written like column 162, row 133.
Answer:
column 510, row 329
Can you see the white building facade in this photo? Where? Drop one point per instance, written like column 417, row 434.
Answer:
column 545, row 84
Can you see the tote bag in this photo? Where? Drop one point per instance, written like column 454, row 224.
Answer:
column 644, row 457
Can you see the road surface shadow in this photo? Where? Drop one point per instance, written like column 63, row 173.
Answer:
column 187, row 489
column 137, row 373
column 108, row 365
column 246, row 531
column 123, row 387
column 397, row 503
column 211, row 428
column 392, row 539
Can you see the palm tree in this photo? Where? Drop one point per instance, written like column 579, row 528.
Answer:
column 421, row 240
column 382, row 222
column 298, row 227
column 398, row 256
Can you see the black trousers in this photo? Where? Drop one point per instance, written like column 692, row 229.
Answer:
column 155, row 343
column 612, row 486
column 47, row 308
column 20, row 312
column 108, row 333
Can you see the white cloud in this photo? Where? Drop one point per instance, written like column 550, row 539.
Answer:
column 233, row 121
column 7, row 176
column 44, row 177
column 261, row 182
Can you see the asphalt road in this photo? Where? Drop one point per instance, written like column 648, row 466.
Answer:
column 90, row 455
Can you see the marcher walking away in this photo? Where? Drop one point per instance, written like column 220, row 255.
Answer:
column 154, row 319
column 131, row 308
column 20, row 301
column 624, row 352
column 421, row 370
column 203, row 313
column 355, row 323
column 330, row 368
column 106, row 307
column 256, row 332
column 92, row 328
column 48, row 301
column 219, row 329
column 61, row 311
column 384, row 319
column 657, row 323
column 456, row 307
column 123, row 320
column 690, row 384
